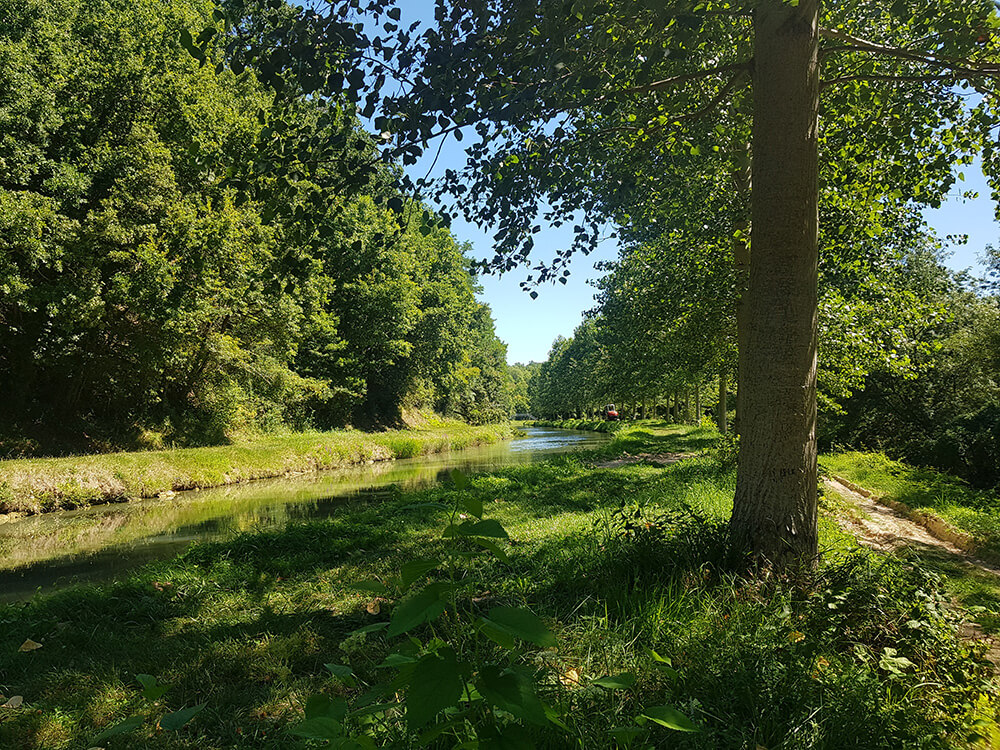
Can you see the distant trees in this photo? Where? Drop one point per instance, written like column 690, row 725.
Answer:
column 155, row 274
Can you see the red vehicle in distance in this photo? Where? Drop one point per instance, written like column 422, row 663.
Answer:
column 610, row 413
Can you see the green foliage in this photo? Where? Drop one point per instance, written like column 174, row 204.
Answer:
column 155, row 273
column 943, row 408
column 748, row 661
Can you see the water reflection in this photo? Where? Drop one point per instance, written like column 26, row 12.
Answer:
column 55, row 549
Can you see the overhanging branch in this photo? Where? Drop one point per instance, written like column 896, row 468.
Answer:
column 967, row 68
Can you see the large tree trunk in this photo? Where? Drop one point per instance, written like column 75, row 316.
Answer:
column 722, row 415
column 775, row 507
column 741, row 260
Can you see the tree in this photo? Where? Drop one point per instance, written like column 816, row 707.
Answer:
column 531, row 78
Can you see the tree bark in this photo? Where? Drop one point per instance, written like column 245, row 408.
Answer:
column 697, row 403
column 722, row 415
column 774, row 515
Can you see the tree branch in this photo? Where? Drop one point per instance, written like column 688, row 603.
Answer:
column 679, row 79
column 857, row 44
column 890, row 78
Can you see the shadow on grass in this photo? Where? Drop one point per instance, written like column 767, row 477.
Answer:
column 247, row 625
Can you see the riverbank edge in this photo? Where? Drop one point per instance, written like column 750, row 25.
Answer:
column 32, row 486
column 945, row 529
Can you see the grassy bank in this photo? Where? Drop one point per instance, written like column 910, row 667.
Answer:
column 616, row 561
column 975, row 513
column 37, row 485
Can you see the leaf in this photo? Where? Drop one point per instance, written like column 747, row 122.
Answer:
column 490, row 528
column 16, row 701
column 671, row 718
column 418, row 608
column 459, row 479
column 150, row 690
column 622, row 681
column 319, row 728
column 522, row 623
column 392, row 661
column 415, row 569
column 624, row 735
column 29, row 645
column 436, row 684
column 122, row 727
column 495, row 634
column 374, row 587
column 175, row 722
column 659, row 659
column 342, row 673
column 493, row 547
column 369, row 628
column 322, row 706
column 512, row 691
column 473, row 504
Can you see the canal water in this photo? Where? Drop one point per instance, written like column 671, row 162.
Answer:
column 53, row 550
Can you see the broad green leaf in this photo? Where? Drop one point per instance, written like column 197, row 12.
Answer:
column 624, row 735
column 122, row 727
column 490, row 528
column 321, row 705
column 392, row 661
column 374, row 587
column 459, row 479
column 473, row 504
column 523, row 624
column 671, row 718
column 495, row 634
column 493, row 547
column 436, row 684
column 659, row 659
column 178, row 719
column 414, row 570
column 343, row 673
column 622, row 681
column 374, row 708
column 418, row 608
column 151, row 691
column 369, row 628
column 512, row 691
column 319, row 728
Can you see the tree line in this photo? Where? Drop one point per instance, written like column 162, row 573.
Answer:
column 907, row 362
column 157, row 277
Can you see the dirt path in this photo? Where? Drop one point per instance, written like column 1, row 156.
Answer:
column 881, row 528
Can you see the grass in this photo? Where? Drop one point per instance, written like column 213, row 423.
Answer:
column 616, row 560
column 43, row 484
